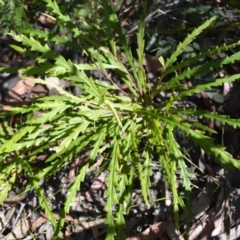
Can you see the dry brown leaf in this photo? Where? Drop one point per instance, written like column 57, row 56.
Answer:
column 15, row 93
column 58, row 82
column 98, row 183
column 75, row 165
column 20, row 231
column 131, row 223
column 100, row 223
column 4, row 220
column 207, row 230
column 94, row 228
column 68, row 217
column 155, row 231
column 7, row 217
column 38, row 223
column 237, row 215
column 28, row 82
column 199, row 207
column 46, row 21
column 227, row 87
column 209, row 103
column 220, row 211
column 6, row 107
column 153, row 63
column 68, row 234
column 172, row 231
column 37, row 114
column 197, row 228
column 232, row 235
column 41, row 157
column 40, row 90
column 202, row 202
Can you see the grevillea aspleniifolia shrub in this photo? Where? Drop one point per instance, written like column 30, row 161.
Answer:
column 107, row 125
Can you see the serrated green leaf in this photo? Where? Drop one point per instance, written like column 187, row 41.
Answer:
column 7, row 179
column 189, row 73
column 44, row 203
column 175, row 195
column 201, row 55
column 71, row 136
column 111, row 106
column 201, row 87
column 18, row 48
column 120, row 222
column 223, row 119
column 144, row 183
column 10, row 144
column 100, row 138
column 75, row 187
column 111, row 232
column 208, row 145
column 188, row 40
column 184, row 175
column 173, row 145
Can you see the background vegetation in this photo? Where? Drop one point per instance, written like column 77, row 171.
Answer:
column 118, row 58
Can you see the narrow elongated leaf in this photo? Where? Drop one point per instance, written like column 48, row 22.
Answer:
column 189, row 73
column 201, row 87
column 184, row 174
column 7, row 179
column 202, row 55
column 100, row 138
column 187, row 41
column 208, row 145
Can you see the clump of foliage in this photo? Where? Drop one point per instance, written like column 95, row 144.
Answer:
column 13, row 15
column 125, row 129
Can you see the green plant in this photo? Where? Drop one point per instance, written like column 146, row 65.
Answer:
column 126, row 130
column 13, row 15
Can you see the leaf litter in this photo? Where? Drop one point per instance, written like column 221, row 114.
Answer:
column 215, row 208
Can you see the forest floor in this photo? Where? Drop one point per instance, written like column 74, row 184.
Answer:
column 216, row 202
